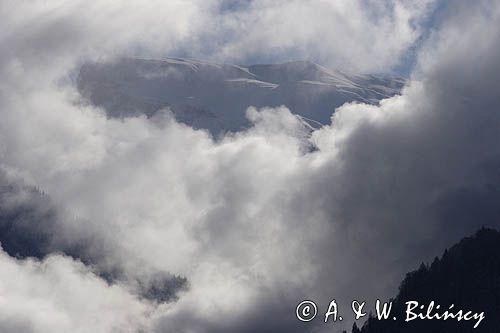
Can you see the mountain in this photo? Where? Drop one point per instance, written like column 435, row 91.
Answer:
column 32, row 227
column 215, row 96
column 467, row 275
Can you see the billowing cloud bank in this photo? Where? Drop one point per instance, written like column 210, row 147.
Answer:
column 255, row 221
column 355, row 35
column 60, row 295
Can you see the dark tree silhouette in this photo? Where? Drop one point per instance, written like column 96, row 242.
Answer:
column 467, row 275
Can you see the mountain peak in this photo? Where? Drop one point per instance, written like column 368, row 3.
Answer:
column 215, row 96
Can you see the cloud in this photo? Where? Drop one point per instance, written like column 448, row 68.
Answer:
column 61, row 295
column 254, row 220
column 352, row 35
column 355, row 35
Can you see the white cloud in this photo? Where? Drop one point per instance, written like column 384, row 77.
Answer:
column 358, row 35
column 61, row 295
column 350, row 35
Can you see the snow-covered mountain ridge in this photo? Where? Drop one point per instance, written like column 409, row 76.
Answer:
column 215, row 96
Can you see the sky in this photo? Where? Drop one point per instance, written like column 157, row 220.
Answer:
column 234, row 232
